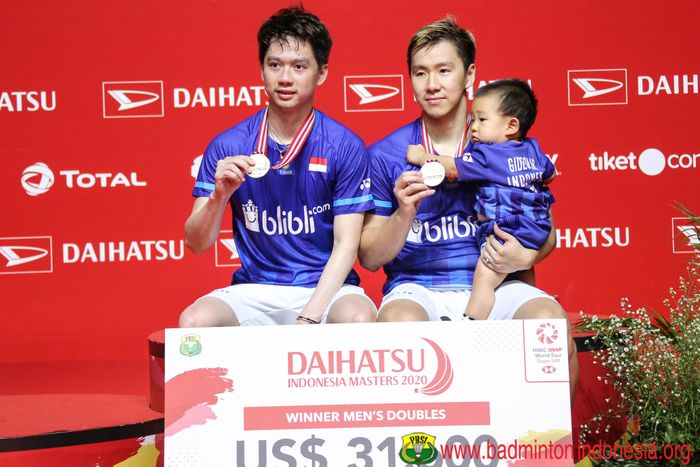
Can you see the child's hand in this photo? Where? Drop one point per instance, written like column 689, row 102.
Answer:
column 415, row 155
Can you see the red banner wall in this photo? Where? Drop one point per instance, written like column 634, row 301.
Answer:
column 96, row 190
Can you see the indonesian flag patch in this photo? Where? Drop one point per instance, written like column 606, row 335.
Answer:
column 318, row 164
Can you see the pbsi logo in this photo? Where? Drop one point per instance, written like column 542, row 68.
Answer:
column 225, row 252
column 26, row 255
column 374, row 93
column 597, row 87
column 686, row 235
column 132, row 99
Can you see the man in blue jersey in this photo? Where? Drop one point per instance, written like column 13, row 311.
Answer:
column 298, row 185
column 424, row 237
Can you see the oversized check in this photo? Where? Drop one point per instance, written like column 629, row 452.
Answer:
column 481, row 393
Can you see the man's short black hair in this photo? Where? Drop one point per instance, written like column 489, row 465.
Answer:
column 295, row 23
column 516, row 99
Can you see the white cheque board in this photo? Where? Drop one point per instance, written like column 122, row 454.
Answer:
column 382, row 394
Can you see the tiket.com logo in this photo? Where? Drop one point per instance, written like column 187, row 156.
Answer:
column 651, row 161
column 226, row 253
column 418, row 449
column 686, row 235
column 445, row 228
column 132, row 99
column 408, row 367
column 374, row 93
column 26, row 255
column 597, row 87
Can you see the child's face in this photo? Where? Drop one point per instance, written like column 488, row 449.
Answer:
column 488, row 125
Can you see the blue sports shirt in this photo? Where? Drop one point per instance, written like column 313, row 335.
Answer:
column 441, row 249
column 510, row 177
column 283, row 222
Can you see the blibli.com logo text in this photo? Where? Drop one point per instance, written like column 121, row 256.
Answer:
column 281, row 222
column 650, row 161
column 445, row 228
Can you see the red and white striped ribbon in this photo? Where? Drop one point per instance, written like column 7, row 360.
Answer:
column 294, row 147
column 428, row 143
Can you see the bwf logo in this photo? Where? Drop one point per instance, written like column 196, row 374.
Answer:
column 686, row 235
column 598, row 87
column 373, row 93
column 132, row 99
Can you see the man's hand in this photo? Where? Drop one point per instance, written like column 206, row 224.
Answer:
column 410, row 190
column 507, row 257
column 230, row 173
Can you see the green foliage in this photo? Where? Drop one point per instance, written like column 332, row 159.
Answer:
column 653, row 363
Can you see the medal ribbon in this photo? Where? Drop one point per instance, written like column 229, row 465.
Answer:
column 428, row 143
column 294, row 147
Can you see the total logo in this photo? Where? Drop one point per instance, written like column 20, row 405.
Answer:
column 609, row 86
column 281, row 222
column 373, row 93
column 445, row 228
column 38, row 178
column 686, row 235
column 650, row 161
column 140, row 99
column 25, row 255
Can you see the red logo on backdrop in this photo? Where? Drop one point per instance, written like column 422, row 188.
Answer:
column 225, row 252
column 132, row 99
column 26, row 255
column 598, row 87
column 686, row 235
column 547, row 333
column 376, row 93
column 443, row 375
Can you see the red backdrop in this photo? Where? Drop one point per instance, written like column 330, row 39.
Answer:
column 91, row 243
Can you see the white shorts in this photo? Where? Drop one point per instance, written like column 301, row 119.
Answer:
column 263, row 304
column 449, row 305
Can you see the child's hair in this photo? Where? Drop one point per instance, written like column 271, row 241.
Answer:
column 516, row 99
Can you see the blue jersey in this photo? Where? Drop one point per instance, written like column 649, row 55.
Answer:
column 441, row 249
column 511, row 192
column 283, row 222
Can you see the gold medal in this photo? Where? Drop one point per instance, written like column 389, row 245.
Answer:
column 433, row 173
column 261, row 167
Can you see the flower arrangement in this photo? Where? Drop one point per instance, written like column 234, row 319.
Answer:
column 653, row 363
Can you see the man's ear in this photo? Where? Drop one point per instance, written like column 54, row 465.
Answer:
column 322, row 74
column 471, row 75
